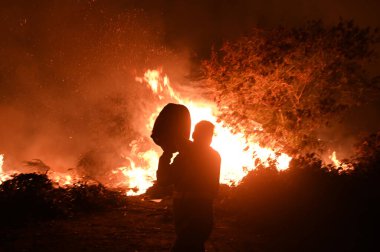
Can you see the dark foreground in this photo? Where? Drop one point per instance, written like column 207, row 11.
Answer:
column 139, row 226
column 309, row 207
column 143, row 225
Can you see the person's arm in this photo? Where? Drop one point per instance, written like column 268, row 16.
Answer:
column 164, row 172
column 216, row 170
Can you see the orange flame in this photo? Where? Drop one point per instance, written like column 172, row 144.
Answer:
column 140, row 173
column 3, row 176
column 338, row 164
column 63, row 179
column 59, row 178
column 1, row 162
column 238, row 151
column 334, row 160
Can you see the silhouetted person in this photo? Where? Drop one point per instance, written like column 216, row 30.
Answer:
column 195, row 176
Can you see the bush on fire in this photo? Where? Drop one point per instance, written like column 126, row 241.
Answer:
column 293, row 81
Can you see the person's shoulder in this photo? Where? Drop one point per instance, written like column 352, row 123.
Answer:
column 215, row 153
column 185, row 147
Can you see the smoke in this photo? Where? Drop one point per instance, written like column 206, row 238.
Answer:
column 67, row 87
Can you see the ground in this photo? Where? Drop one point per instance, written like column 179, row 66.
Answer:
column 142, row 225
column 145, row 225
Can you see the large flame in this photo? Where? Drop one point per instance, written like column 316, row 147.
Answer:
column 338, row 164
column 3, row 176
column 138, row 178
column 1, row 162
column 238, row 151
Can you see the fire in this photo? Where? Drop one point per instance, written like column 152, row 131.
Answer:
column 1, row 162
column 63, row 179
column 139, row 175
column 59, row 178
column 139, row 179
column 338, row 164
column 238, row 151
column 3, row 176
column 334, row 160
column 158, row 83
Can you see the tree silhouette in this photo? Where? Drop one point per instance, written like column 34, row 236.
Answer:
column 293, row 81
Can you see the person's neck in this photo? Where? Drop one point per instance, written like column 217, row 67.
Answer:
column 201, row 144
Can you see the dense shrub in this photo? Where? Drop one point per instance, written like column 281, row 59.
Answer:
column 29, row 197
column 313, row 206
column 293, row 81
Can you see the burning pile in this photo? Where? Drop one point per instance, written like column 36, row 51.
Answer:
column 238, row 152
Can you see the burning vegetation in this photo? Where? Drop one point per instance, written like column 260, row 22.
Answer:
column 86, row 111
column 240, row 155
column 294, row 81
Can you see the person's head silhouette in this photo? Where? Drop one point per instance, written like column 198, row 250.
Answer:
column 203, row 132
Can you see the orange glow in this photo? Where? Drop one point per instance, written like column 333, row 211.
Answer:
column 1, row 162
column 238, row 151
column 3, row 175
column 338, row 164
column 60, row 178
column 63, row 179
column 334, row 160
column 137, row 178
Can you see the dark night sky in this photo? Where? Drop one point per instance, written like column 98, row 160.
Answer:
column 197, row 24
column 64, row 64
